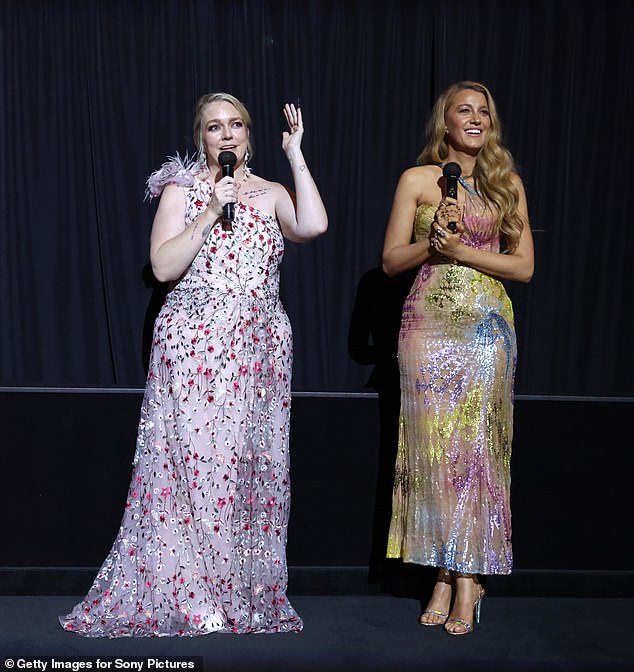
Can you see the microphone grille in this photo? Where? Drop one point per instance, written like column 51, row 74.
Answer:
column 227, row 159
column 451, row 170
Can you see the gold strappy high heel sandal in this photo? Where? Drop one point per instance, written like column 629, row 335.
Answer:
column 444, row 576
column 465, row 625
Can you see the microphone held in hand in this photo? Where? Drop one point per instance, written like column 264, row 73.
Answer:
column 227, row 161
column 451, row 171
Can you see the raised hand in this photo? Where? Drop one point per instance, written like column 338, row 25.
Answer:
column 293, row 139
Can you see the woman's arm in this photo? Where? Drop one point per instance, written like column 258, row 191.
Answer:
column 400, row 254
column 173, row 247
column 305, row 218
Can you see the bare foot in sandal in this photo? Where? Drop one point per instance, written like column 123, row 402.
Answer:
column 437, row 611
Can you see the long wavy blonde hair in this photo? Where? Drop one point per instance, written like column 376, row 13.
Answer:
column 218, row 97
column 494, row 166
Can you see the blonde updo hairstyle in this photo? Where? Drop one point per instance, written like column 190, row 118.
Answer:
column 218, row 97
column 494, row 166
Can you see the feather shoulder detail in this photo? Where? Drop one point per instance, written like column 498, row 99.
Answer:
column 177, row 170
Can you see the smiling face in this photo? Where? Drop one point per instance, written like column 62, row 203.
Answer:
column 223, row 130
column 468, row 121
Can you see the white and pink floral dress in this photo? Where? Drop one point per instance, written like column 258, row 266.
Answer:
column 203, row 535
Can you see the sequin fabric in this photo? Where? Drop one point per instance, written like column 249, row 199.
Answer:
column 457, row 354
column 203, row 535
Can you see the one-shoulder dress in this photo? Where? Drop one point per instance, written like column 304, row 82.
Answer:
column 203, row 534
column 457, row 355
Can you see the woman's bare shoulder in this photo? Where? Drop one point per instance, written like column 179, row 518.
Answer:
column 427, row 175
column 422, row 183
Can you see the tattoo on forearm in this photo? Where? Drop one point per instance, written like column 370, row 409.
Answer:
column 205, row 231
column 303, row 167
column 194, row 227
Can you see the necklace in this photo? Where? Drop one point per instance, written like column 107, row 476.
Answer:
column 468, row 188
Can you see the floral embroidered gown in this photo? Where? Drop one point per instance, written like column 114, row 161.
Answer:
column 203, row 534
column 457, row 354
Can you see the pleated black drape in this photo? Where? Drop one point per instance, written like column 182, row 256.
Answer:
column 95, row 95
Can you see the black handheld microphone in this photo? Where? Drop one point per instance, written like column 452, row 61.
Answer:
column 451, row 171
column 227, row 161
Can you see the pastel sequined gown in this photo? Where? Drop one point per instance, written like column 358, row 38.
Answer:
column 457, row 354
column 204, row 530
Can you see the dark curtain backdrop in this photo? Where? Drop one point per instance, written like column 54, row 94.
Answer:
column 95, row 95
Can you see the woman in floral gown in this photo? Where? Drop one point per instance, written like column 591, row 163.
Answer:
column 201, row 547
column 457, row 353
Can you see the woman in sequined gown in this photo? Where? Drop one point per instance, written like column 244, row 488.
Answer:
column 201, row 547
column 457, row 353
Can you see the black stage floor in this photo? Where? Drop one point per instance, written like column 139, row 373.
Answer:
column 369, row 632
